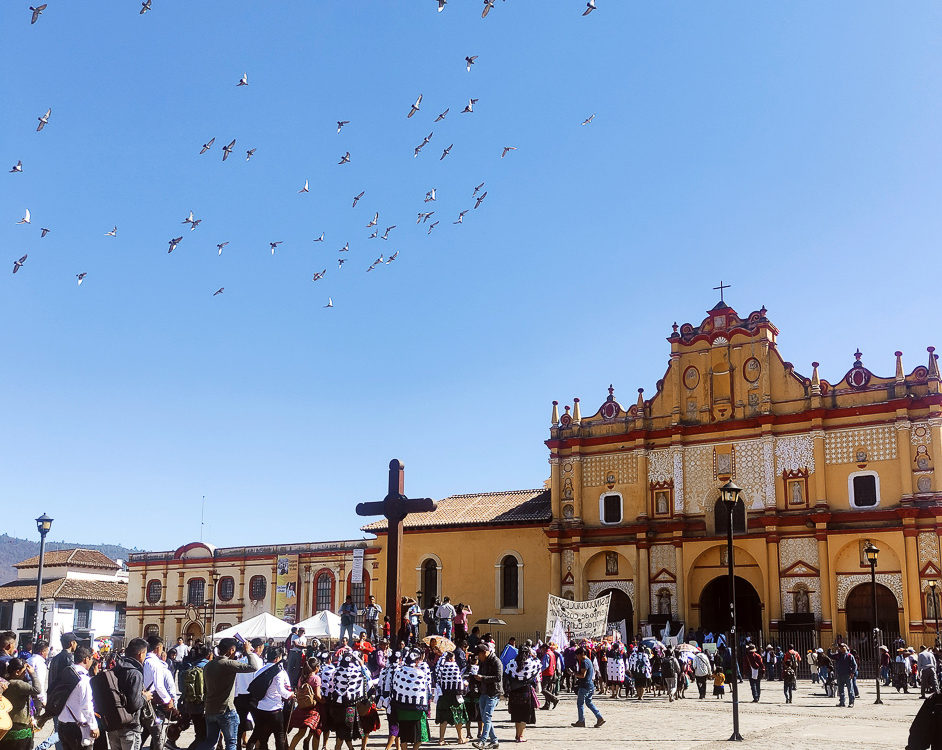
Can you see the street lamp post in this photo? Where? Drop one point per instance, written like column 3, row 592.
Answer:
column 871, row 551
column 935, row 608
column 43, row 524
column 729, row 494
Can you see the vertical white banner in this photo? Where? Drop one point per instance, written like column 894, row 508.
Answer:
column 356, row 575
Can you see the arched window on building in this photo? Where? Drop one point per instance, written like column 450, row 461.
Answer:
column 226, row 588
column 429, row 583
column 154, row 591
column 196, row 592
column 324, row 591
column 258, row 588
column 509, row 582
column 150, row 630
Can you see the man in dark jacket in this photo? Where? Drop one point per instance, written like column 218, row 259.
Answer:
column 845, row 667
column 490, row 675
column 57, row 665
column 129, row 669
column 926, row 730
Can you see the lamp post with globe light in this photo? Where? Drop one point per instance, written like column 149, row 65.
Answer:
column 43, row 524
column 871, row 551
column 729, row 494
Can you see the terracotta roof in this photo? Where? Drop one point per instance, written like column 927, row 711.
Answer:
column 75, row 558
column 481, row 509
column 66, row 588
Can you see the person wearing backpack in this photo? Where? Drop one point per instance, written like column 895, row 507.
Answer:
column 193, row 690
column 268, row 691
column 219, row 685
column 77, row 722
column 253, row 656
column 58, row 665
column 120, row 697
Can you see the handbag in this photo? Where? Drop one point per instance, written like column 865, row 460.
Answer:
column 148, row 715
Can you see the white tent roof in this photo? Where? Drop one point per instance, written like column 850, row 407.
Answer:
column 324, row 624
column 260, row 626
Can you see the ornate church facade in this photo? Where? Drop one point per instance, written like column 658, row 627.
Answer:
column 825, row 467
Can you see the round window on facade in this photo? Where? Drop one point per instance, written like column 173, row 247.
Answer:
column 154, row 590
column 258, row 587
column 226, row 588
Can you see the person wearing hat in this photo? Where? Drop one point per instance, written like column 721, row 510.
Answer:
column 928, row 679
column 901, row 671
column 885, row 661
column 756, row 669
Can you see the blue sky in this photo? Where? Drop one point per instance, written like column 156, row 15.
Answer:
column 790, row 149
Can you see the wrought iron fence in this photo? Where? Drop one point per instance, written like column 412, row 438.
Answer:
column 867, row 651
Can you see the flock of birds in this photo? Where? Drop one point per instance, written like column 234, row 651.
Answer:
column 478, row 195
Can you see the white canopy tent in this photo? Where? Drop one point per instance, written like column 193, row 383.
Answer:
column 260, row 626
column 324, row 624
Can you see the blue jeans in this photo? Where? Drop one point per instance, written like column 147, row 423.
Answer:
column 413, row 632
column 885, row 675
column 583, row 699
column 756, row 685
column 227, row 723
column 348, row 629
column 444, row 628
column 845, row 682
column 487, row 704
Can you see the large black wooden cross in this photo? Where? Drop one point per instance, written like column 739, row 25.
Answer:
column 395, row 507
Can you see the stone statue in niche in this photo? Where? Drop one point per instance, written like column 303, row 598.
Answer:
column 664, row 602
column 661, row 503
column 802, row 601
column 724, row 463
column 797, row 493
column 611, row 563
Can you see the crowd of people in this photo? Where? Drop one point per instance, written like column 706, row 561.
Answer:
column 300, row 691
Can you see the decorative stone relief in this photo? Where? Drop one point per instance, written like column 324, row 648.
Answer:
column 792, row 549
column 920, row 434
column 678, row 462
column 928, row 543
column 846, row 582
column 842, row 446
column 768, row 471
column 568, row 560
column 660, row 465
column 794, row 453
column 657, row 587
column 791, row 585
column 596, row 588
column 662, row 558
column 698, row 477
column 596, row 469
column 751, row 471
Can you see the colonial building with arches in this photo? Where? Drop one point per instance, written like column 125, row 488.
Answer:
column 825, row 466
column 199, row 588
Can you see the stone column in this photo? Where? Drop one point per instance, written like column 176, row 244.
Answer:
column 912, row 595
column 555, row 573
column 818, row 486
column 644, row 587
column 935, row 435
column 681, row 579
column 555, row 488
column 577, row 485
column 774, row 599
column 825, row 580
column 904, row 453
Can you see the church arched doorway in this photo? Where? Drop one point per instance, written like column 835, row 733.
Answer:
column 859, row 609
column 714, row 606
column 619, row 608
column 193, row 632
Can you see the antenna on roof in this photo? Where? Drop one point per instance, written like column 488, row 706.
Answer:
column 202, row 514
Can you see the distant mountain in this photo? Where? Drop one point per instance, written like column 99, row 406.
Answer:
column 14, row 550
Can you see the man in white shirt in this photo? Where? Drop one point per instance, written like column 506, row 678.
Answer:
column 446, row 617
column 371, row 618
column 40, row 668
column 181, row 650
column 77, row 718
column 156, row 677
column 253, row 656
column 269, row 715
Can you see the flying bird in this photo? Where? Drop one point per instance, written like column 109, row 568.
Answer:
column 589, row 119
column 507, row 150
column 470, row 107
column 415, row 107
column 374, row 235
column 305, row 188
column 488, row 4
column 589, row 7
column 173, row 244
column 442, row 115
column 431, row 195
column 220, row 246
column 356, row 198
column 208, row 145
column 145, row 6
column 244, row 80
column 345, row 248
column 25, row 219
column 345, row 159
column 113, row 232
column 460, row 217
column 476, row 189
column 388, row 230
column 193, row 222
column 341, row 123
column 392, row 257
column 423, row 216
column 446, row 152
column 226, row 150
column 81, row 277
column 44, row 231
column 273, row 245
column 432, row 226
column 470, row 61
column 441, row 5
column 319, row 276
column 37, row 12
column 220, row 290
column 374, row 220
column 18, row 167
column 340, row 262
column 18, row 264
column 330, row 302
column 249, row 154
column 44, row 120
column 480, row 199
column 319, row 239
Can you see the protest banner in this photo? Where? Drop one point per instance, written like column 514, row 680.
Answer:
column 579, row 619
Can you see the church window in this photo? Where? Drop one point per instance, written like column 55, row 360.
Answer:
column 196, row 592
column 429, row 583
column 610, row 508
column 226, row 588
column 324, row 591
column 258, row 587
column 510, row 580
column 150, row 630
column 864, row 489
column 154, row 590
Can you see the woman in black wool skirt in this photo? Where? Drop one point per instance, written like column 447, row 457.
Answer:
column 523, row 674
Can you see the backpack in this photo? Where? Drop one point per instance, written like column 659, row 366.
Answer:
column 110, row 702
column 58, row 694
column 194, row 688
column 260, row 684
column 305, row 696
